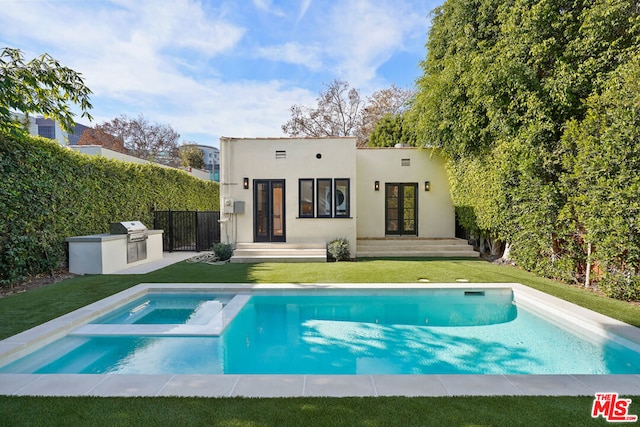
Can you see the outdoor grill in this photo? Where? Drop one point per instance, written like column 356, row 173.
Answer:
column 137, row 235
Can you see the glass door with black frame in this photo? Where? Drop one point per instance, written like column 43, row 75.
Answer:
column 401, row 209
column 269, row 211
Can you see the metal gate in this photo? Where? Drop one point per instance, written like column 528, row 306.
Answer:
column 188, row 230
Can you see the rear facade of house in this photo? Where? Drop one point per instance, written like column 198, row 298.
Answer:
column 287, row 197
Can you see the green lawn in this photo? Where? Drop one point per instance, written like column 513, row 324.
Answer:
column 239, row 412
column 22, row 311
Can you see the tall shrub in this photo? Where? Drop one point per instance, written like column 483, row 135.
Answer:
column 49, row 193
column 602, row 156
column 502, row 83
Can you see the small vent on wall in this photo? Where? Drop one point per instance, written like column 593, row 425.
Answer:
column 281, row 154
column 406, row 162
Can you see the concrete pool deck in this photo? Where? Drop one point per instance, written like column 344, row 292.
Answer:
column 315, row 385
column 168, row 258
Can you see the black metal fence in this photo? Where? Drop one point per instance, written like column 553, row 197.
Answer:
column 188, row 230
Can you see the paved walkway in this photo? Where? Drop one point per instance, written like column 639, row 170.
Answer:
column 168, row 258
column 128, row 385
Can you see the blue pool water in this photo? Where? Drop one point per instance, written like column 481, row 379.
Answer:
column 418, row 333
column 168, row 308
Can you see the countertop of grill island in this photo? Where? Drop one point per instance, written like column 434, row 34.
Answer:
column 105, row 237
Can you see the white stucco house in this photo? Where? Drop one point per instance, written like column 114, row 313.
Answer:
column 285, row 198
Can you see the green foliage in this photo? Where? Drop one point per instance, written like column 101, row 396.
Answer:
column 339, row 249
column 307, row 411
column 523, row 99
column 602, row 158
column 222, row 250
column 392, row 130
column 190, row 155
column 41, row 86
column 49, row 193
column 624, row 286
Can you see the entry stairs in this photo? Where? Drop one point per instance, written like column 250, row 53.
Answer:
column 389, row 247
column 414, row 247
column 279, row 252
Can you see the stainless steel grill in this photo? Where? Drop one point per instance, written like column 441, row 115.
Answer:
column 137, row 235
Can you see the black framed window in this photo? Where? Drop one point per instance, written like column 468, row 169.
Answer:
column 324, row 197
column 341, row 193
column 306, row 199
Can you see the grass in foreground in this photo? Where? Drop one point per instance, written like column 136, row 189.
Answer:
column 22, row 311
column 240, row 412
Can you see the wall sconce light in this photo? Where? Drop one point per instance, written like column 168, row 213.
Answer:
column 245, row 183
column 427, row 186
column 376, row 186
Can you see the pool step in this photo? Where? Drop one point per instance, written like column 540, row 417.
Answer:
column 414, row 247
column 279, row 252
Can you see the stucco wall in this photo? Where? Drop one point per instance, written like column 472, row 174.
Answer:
column 436, row 216
column 97, row 150
column 256, row 159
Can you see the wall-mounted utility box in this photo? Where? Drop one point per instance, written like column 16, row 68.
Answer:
column 228, row 206
column 238, row 207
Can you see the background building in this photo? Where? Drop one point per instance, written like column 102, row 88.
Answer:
column 48, row 128
column 211, row 160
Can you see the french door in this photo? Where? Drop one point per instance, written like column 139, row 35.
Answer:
column 268, row 210
column 401, row 209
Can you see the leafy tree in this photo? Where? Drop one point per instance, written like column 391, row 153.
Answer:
column 602, row 158
column 392, row 101
column 501, row 84
column 391, row 130
column 41, row 86
column 98, row 136
column 337, row 113
column 192, row 156
column 156, row 142
column 341, row 111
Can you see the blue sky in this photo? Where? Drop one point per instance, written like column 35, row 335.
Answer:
column 221, row 68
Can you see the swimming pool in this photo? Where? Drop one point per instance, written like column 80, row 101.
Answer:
column 193, row 308
column 377, row 331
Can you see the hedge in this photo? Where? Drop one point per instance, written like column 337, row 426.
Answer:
column 49, row 193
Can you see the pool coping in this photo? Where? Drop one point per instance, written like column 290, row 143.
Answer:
column 232, row 385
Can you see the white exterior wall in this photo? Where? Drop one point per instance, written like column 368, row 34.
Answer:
column 256, row 159
column 97, row 150
column 436, row 215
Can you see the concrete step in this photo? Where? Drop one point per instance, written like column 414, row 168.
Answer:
column 279, row 252
column 419, row 254
column 401, row 247
column 276, row 258
column 267, row 245
column 411, row 241
column 414, row 247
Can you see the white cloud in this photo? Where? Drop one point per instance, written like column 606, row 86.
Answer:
column 124, row 53
column 309, row 56
column 267, row 6
column 183, row 25
column 304, row 7
column 240, row 109
column 365, row 34
column 95, row 25
column 351, row 39
column 164, row 58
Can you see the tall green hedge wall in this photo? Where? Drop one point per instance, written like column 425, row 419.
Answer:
column 49, row 193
